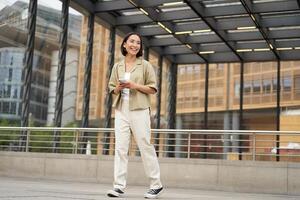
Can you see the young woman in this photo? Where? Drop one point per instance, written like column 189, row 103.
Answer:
column 132, row 82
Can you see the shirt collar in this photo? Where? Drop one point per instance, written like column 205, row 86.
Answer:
column 137, row 63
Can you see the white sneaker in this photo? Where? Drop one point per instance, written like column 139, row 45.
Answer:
column 153, row 193
column 116, row 192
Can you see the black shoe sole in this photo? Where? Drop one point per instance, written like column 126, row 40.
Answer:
column 111, row 195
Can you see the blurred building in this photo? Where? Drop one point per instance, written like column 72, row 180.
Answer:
column 13, row 36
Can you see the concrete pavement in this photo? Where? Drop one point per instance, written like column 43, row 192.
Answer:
column 40, row 189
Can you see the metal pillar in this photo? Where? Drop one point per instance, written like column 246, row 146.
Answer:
column 27, row 63
column 206, row 107
column 158, row 97
column 278, row 110
column 61, row 72
column 158, row 101
column 88, row 72
column 206, row 96
column 146, row 53
column 226, row 137
column 241, row 107
column 235, row 138
column 172, row 96
column 87, row 78
column 227, row 116
column 108, row 98
column 241, row 96
column 171, row 120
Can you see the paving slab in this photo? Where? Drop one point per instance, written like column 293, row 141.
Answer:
column 41, row 189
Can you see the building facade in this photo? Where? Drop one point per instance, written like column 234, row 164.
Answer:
column 13, row 36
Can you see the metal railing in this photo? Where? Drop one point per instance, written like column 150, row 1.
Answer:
column 180, row 143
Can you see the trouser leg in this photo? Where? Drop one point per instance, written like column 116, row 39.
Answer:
column 122, row 138
column 140, row 125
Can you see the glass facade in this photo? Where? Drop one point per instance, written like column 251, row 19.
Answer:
column 259, row 103
column 10, row 84
column 13, row 36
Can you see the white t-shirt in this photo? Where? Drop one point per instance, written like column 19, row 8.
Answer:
column 125, row 91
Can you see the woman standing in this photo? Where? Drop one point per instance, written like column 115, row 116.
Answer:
column 133, row 81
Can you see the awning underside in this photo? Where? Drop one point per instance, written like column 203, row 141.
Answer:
column 200, row 31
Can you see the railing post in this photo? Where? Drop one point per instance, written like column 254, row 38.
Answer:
column 189, row 145
column 253, row 146
column 73, row 142
column 76, row 141
column 277, row 146
column 27, row 140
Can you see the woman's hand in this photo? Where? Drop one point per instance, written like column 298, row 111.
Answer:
column 118, row 88
column 129, row 85
column 141, row 88
column 134, row 86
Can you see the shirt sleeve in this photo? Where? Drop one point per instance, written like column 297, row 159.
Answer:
column 113, row 80
column 150, row 76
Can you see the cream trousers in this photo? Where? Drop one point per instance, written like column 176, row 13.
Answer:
column 139, row 122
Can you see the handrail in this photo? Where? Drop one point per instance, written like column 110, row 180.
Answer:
column 154, row 130
column 184, row 143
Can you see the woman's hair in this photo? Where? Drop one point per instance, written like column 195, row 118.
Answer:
column 123, row 50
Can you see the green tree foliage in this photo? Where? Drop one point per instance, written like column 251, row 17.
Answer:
column 8, row 137
column 42, row 141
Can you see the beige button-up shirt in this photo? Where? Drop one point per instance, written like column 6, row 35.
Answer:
column 141, row 73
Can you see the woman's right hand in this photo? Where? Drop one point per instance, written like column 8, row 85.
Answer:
column 119, row 87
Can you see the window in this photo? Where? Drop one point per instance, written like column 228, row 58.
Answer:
column 1, row 90
column 256, row 86
column 267, row 86
column 20, row 109
column 287, row 83
column 247, row 87
column 274, row 85
column 181, row 70
column 237, row 89
column 7, row 91
column 5, row 107
column 190, row 69
column 15, row 95
column 297, row 84
column 11, row 60
column 10, row 74
column 197, row 69
column 13, row 108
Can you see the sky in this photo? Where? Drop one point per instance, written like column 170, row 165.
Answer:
column 56, row 4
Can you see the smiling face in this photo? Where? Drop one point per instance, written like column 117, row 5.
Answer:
column 132, row 45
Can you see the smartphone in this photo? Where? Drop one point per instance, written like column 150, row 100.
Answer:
column 121, row 80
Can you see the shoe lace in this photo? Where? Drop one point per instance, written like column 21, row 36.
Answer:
column 153, row 191
column 118, row 190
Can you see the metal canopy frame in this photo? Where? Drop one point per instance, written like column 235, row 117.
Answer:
column 207, row 31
